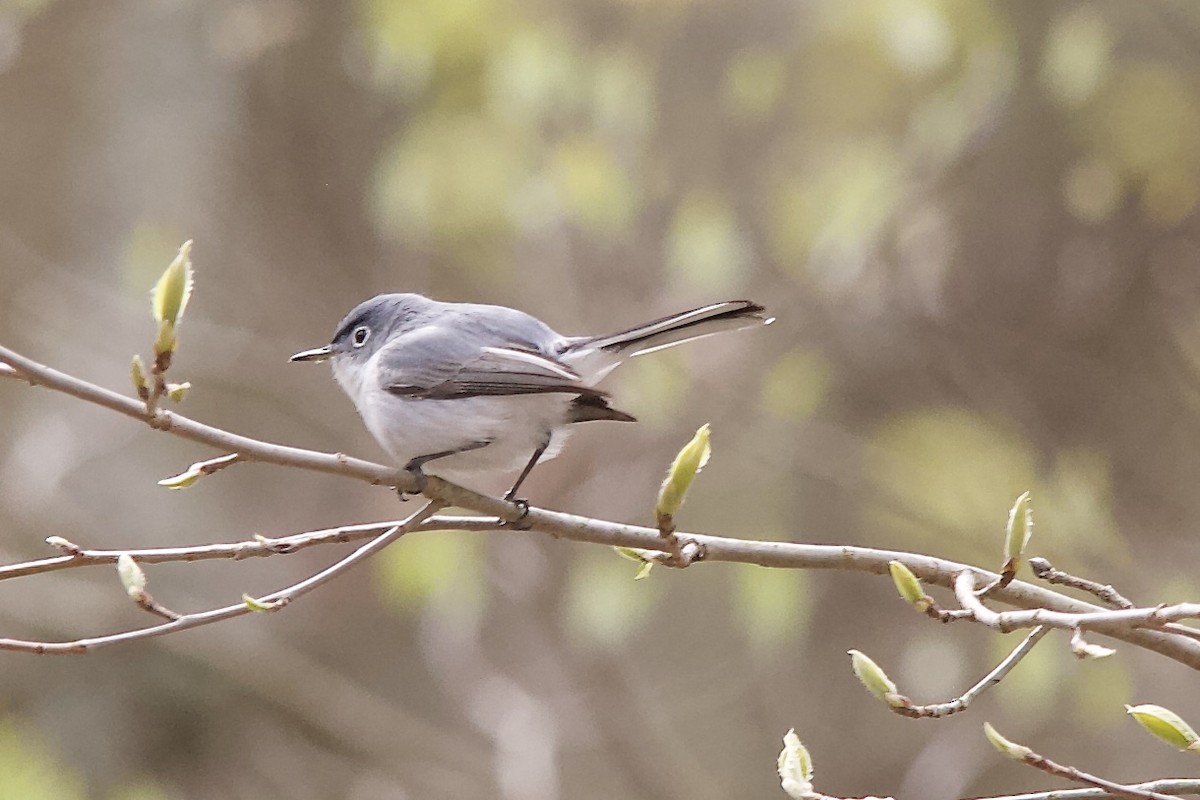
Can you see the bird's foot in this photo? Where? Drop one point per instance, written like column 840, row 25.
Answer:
column 419, row 478
column 518, row 524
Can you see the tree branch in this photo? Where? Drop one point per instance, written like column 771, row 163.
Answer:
column 787, row 555
column 163, row 420
column 1102, row 620
column 960, row 703
column 269, row 602
column 260, row 546
column 1167, row 786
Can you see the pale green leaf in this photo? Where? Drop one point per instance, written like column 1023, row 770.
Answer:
column 170, row 295
column 687, row 464
column 1165, row 724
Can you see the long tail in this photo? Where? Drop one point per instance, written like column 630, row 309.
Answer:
column 595, row 356
column 679, row 328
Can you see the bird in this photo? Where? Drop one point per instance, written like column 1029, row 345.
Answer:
column 466, row 388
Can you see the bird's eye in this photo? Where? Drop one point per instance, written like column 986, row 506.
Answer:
column 360, row 335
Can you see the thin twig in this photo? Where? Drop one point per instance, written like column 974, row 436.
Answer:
column 1100, row 620
column 146, row 602
column 960, row 703
column 1166, row 786
column 1103, row 592
column 164, row 420
column 260, row 546
column 273, row 600
column 1044, row 764
column 8, row 372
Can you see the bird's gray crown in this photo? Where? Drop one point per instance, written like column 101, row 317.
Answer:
column 380, row 318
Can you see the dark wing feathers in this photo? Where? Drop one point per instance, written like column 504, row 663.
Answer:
column 436, row 364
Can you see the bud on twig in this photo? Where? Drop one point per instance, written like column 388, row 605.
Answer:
column 1084, row 649
column 177, row 391
column 1007, row 748
column 259, row 606
column 874, row 678
column 170, row 295
column 795, row 768
column 137, row 376
column 1166, row 725
column 684, row 468
column 168, row 300
column 1020, row 528
column 133, row 578
column 908, row 585
column 198, row 470
column 646, row 558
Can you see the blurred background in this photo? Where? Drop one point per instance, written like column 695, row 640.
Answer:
column 976, row 222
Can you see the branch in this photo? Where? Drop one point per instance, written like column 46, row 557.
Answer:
column 163, row 420
column 1070, row 773
column 1166, row 786
column 259, row 546
column 270, row 602
column 1103, row 620
column 1104, row 592
column 787, row 555
column 960, row 703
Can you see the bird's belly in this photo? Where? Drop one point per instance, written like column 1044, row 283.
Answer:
column 513, row 426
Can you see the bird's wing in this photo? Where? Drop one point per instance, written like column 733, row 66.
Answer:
column 437, row 363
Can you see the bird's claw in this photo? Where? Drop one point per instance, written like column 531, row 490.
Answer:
column 519, row 523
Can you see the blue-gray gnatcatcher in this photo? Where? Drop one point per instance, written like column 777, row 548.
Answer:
column 472, row 388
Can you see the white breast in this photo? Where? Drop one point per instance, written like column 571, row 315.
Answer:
column 515, row 426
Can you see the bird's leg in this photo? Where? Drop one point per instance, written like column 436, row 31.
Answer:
column 511, row 494
column 415, row 465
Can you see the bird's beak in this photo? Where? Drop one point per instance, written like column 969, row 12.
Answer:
column 316, row 355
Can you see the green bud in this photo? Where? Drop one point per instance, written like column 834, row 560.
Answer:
column 177, row 391
column 1166, row 725
column 170, row 295
column 257, row 606
column 872, row 677
column 198, row 470
column 908, row 585
column 183, row 479
column 631, row 553
column 795, row 768
column 1020, row 528
column 646, row 558
column 684, row 468
column 131, row 574
column 164, row 343
column 137, row 376
column 1007, row 748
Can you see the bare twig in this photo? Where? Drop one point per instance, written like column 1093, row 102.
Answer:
column 1166, row 786
column 1044, row 764
column 146, row 602
column 249, row 449
column 272, row 601
column 960, row 703
column 1103, row 592
column 76, row 556
column 1099, row 620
